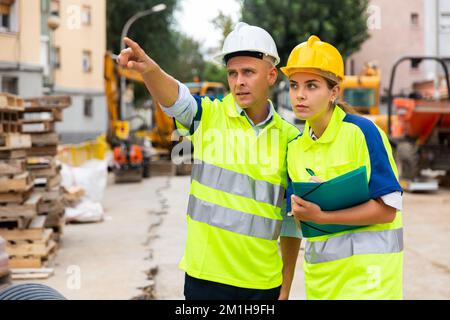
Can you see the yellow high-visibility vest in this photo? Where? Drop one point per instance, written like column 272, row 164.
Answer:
column 234, row 214
column 364, row 263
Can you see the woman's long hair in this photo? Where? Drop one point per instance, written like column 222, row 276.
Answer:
column 339, row 102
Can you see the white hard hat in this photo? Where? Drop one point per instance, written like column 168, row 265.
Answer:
column 249, row 40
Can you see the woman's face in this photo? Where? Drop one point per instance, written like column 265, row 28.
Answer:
column 310, row 95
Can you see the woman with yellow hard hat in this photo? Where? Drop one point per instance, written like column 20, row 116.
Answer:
column 362, row 263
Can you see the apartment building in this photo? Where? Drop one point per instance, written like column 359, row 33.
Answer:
column 56, row 47
column 405, row 28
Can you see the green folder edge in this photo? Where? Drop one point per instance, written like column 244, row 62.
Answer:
column 351, row 186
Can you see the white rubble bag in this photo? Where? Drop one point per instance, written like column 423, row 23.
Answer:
column 92, row 177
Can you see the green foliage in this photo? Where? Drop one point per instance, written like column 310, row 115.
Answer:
column 225, row 24
column 152, row 32
column 215, row 73
column 290, row 22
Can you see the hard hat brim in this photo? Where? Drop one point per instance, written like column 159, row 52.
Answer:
column 289, row 71
column 220, row 58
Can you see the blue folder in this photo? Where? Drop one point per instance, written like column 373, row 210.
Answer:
column 345, row 191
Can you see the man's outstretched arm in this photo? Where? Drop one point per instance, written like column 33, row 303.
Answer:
column 162, row 86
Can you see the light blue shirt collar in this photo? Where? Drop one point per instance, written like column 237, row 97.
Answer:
column 262, row 123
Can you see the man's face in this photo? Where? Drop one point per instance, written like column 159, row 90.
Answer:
column 249, row 79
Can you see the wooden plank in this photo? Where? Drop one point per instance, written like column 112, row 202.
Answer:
column 16, row 183
column 73, row 194
column 45, row 172
column 37, row 248
column 16, row 197
column 13, row 154
column 32, row 270
column 35, row 231
column 10, row 167
column 10, row 141
column 44, row 139
column 25, row 262
column 31, row 276
column 45, row 103
column 10, row 101
column 27, row 210
column 42, row 151
column 31, row 273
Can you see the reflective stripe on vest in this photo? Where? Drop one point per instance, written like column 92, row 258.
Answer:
column 233, row 220
column 237, row 183
column 349, row 244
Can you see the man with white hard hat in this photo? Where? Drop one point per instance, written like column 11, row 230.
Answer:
column 235, row 214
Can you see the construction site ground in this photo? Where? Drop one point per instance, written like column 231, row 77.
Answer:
column 134, row 252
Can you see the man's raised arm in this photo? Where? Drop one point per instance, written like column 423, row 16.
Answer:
column 162, row 86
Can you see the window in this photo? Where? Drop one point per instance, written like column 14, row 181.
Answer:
column 444, row 22
column 86, row 15
column 360, row 97
column 10, row 85
column 7, row 11
column 414, row 19
column 55, row 7
column 87, row 61
column 88, row 111
column 57, row 62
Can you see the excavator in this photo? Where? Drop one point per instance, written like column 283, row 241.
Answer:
column 421, row 134
column 133, row 157
column 362, row 91
column 130, row 158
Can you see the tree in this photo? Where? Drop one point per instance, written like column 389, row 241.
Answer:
column 176, row 53
column 225, row 24
column 215, row 72
column 152, row 32
column 190, row 60
column 290, row 22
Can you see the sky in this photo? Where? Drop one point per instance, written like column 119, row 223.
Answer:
column 194, row 19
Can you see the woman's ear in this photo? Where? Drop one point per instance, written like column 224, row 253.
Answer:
column 335, row 92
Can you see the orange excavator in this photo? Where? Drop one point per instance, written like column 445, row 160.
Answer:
column 130, row 147
column 421, row 134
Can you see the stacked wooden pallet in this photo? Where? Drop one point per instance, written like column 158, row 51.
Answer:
column 18, row 205
column 30, row 193
column 39, row 119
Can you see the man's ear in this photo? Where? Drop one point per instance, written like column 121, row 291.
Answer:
column 272, row 75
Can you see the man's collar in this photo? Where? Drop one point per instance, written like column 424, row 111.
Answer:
column 242, row 112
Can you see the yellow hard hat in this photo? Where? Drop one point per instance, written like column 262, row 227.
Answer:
column 316, row 55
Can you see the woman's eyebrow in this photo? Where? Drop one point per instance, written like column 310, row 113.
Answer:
column 312, row 80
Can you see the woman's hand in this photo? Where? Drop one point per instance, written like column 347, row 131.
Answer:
column 316, row 179
column 307, row 211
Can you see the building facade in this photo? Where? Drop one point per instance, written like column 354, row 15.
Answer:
column 64, row 60
column 405, row 28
